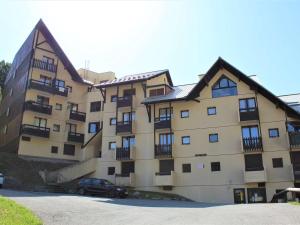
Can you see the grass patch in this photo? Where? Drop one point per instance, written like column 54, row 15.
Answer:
column 12, row 213
column 295, row 203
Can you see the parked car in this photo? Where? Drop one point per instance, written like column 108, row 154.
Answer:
column 101, row 187
column 1, row 180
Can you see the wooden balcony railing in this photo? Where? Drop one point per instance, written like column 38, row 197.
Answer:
column 124, row 127
column 37, row 63
column 124, row 153
column 163, row 151
column 252, row 144
column 76, row 115
column 38, row 107
column 75, row 137
column 162, row 123
column 48, row 87
column 35, row 130
column 294, row 138
column 125, row 101
column 249, row 114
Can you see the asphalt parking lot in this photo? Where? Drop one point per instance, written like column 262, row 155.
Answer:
column 56, row 209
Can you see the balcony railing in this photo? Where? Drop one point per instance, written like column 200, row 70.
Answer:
column 79, row 116
column 162, row 123
column 249, row 114
column 125, row 101
column 163, row 151
column 124, row 127
column 296, row 169
column 35, row 130
column 38, row 107
column 252, row 144
column 48, row 87
column 294, row 138
column 75, row 137
column 37, row 63
column 124, row 153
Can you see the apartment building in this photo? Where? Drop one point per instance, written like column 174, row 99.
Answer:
column 223, row 139
column 43, row 112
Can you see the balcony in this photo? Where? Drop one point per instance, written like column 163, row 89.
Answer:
column 41, row 86
column 164, row 179
column 35, row 130
column 37, row 63
column 160, row 123
column 79, row 116
column 249, row 114
column 294, row 138
column 255, row 176
column 47, row 87
column 163, row 151
column 252, row 144
column 127, row 153
column 38, row 107
column 76, row 137
column 127, row 180
column 125, row 101
column 296, row 169
column 124, row 127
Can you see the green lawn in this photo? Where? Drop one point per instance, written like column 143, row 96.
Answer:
column 295, row 203
column 12, row 213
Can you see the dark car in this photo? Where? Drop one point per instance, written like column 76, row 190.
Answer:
column 101, row 187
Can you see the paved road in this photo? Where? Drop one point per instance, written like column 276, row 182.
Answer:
column 77, row 210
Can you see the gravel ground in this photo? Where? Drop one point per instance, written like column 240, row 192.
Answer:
column 56, row 209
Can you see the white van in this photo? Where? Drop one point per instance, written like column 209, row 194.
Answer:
column 1, row 180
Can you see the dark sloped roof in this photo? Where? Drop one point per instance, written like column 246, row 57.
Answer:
column 221, row 63
column 58, row 50
column 178, row 93
column 136, row 78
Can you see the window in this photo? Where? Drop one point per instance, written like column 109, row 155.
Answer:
column 70, row 89
column 213, row 138
column 253, row 162
column 166, row 139
column 58, row 106
column 113, row 98
column 112, row 145
column 71, row 128
column 60, row 83
column 250, row 132
column 129, row 92
column 40, row 122
column 42, row 100
column 111, row 170
column 45, row 80
column 277, row 162
column 95, row 106
column 24, row 138
column 48, row 60
column 247, row 105
column 273, row 132
column 215, row 166
column 185, row 114
column 56, row 127
column 54, row 149
column 72, row 106
column 69, row 149
column 126, row 117
column 165, row 113
column 224, row 87
column 186, row 168
column 94, row 127
column 211, row 111
column 185, row 140
column 127, row 142
column 113, row 121
column 156, row 92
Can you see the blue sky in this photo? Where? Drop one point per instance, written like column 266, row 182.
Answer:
column 186, row 37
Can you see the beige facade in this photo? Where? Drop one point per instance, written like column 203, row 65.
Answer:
column 225, row 139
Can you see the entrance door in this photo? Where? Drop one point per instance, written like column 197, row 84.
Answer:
column 239, row 195
column 127, row 168
column 257, row 195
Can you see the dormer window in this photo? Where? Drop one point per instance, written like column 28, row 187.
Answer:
column 224, row 87
column 156, row 92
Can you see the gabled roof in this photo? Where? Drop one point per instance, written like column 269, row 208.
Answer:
column 177, row 93
column 136, row 78
column 58, row 50
column 222, row 64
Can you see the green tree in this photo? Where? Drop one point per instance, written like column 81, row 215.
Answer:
column 4, row 68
